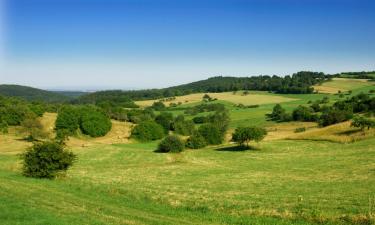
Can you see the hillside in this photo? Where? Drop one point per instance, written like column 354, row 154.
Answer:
column 298, row 83
column 31, row 94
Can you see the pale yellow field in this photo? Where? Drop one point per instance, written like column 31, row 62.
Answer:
column 250, row 99
column 285, row 130
column 341, row 132
column 341, row 84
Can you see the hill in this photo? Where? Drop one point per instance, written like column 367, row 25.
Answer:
column 31, row 94
column 298, row 83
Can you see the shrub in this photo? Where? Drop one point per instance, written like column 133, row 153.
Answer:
column 300, row 130
column 94, row 123
column 200, row 119
column 32, row 127
column 46, row 160
column 196, row 141
column 302, row 113
column 171, row 143
column 211, row 134
column 362, row 122
column 165, row 120
column 185, row 127
column 13, row 115
column 246, row 134
column 3, row 127
column 158, row 106
column 148, row 131
column 333, row 115
column 67, row 120
column 279, row 114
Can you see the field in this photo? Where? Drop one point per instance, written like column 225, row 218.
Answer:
column 321, row 176
column 342, row 84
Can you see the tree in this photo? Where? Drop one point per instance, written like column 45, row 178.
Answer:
column 94, row 123
column 165, row 119
column 67, row 121
column 182, row 126
column 278, row 113
column 32, row 127
column 244, row 135
column 171, row 143
column 158, row 106
column 148, row 131
column 303, row 113
column 196, row 141
column 46, row 160
column 211, row 134
column 362, row 122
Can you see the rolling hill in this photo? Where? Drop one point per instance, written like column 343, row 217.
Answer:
column 32, row 94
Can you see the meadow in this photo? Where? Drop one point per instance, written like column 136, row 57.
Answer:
column 321, row 176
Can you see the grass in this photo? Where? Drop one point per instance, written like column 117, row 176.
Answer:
column 342, row 84
column 251, row 99
column 290, row 182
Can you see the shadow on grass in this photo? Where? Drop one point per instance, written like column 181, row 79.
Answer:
column 237, row 149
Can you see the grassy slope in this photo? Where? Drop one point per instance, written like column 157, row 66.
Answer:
column 130, row 184
column 286, row 182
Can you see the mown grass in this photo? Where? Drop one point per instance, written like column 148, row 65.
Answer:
column 290, row 182
column 342, row 84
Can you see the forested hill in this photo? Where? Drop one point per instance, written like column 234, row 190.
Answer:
column 31, row 94
column 299, row 83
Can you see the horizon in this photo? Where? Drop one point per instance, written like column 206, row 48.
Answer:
column 127, row 44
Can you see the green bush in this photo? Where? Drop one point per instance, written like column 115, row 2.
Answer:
column 148, row 131
column 196, row 141
column 46, row 160
column 184, row 127
column 211, row 134
column 95, row 123
column 300, row 130
column 165, row 120
column 3, row 127
column 13, row 115
column 67, row 121
column 171, row 143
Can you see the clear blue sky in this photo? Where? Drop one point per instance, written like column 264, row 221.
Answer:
column 157, row 43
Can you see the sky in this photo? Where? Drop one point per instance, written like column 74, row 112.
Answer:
column 135, row 44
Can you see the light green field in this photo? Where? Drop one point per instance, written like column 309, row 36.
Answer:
column 290, row 182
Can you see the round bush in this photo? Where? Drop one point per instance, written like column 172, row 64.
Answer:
column 148, row 131
column 95, row 123
column 67, row 120
column 46, row 160
column 171, row 143
column 196, row 141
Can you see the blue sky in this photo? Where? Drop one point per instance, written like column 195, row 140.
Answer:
column 158, row 43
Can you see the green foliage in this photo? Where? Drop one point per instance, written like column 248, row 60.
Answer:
column 32, row 127
column 171, row 143
column 211, row 134
column 196, row 141
column 67, row 121
column 303, row 113
column 148, row 131
column 94, row 123
column 158, row 106
column 279, row 114
column 3, row 127
column 46, row 160
column 363, row 122
column 182, row 126
column 244, row 135
column 300, row 130
column 333, row 115
column 200, row 119
column 31, row 94
column 165, row 120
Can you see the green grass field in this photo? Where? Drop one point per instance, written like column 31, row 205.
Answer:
column 278, row 182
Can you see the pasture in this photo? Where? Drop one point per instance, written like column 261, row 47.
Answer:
column 342, row 84
column 320, row 176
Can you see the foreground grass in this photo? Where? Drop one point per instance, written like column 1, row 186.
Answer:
column 286, row 182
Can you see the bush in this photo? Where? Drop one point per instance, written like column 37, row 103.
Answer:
column 33, row 127
column 68, row 121
column 171, row 143
column 303, row 113
column 3, row 127
column 211, row 134
column 200, row 119
column 333, row 116
column 185, row 127
column 158, row 106
column 13, row 115
column 148, row 131
column 165, row 120
column 300, row 130
column 46, row 160
column 196, row 141
column 362, row 122
column 246, row 134
column 94, row 123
